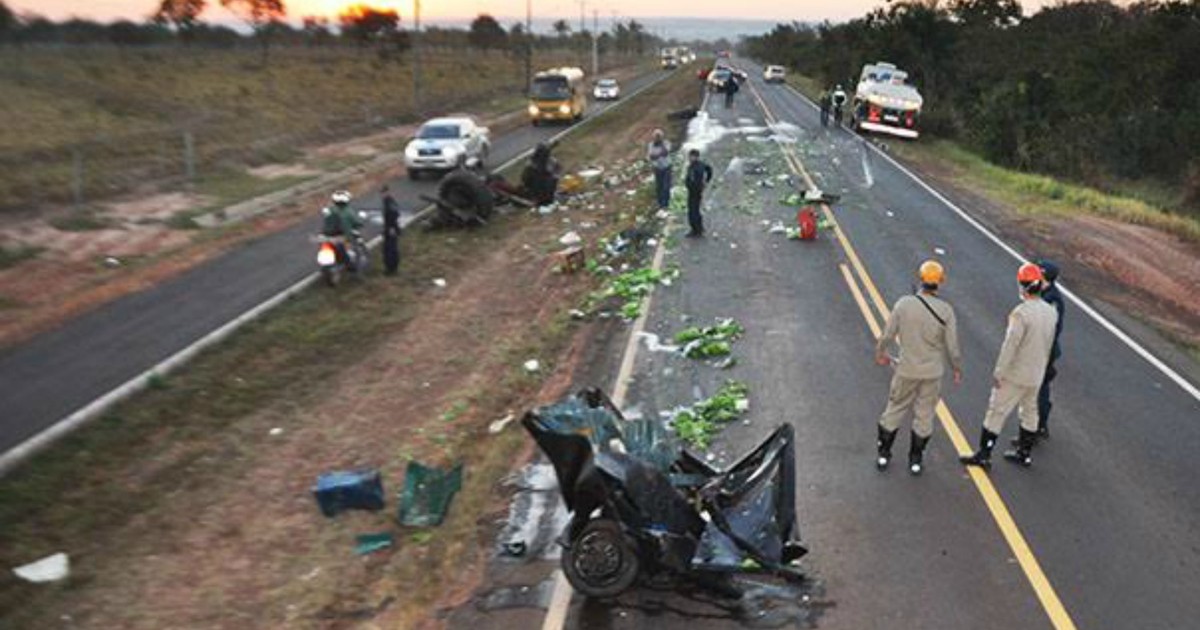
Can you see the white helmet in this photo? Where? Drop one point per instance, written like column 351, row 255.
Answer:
column 341, row 197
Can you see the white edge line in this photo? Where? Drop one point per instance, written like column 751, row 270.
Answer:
column 97, row 407
column 1141, row 351
column 560, row 596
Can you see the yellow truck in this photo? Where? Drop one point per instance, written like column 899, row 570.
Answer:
column 558, row 94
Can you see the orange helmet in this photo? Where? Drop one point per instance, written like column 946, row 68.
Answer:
column 1030, row 275
column 932, row 272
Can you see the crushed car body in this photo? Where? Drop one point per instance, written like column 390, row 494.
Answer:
column 640, row 503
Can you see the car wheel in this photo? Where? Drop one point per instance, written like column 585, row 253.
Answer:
column 602, row 560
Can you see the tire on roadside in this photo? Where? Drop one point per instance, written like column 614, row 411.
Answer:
column 602, row 560
column 466, row 191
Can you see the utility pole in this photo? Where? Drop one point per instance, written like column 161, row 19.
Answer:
column 528, row 45
column 416, row 56
column 582, row 27
column 595, row 43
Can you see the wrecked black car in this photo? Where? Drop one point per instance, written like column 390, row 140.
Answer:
column 641, row 504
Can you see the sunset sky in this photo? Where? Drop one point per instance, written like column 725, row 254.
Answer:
column 758, row 9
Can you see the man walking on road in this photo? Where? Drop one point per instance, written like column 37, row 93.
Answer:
column 391, row 232
column 928, row 335
column 730, row 88
column 825, row 101
column 1019, row 371
column 699, row 174
column 659, row 155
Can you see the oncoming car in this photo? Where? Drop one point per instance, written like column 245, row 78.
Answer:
column 444, row 144
column 606, row 90
column 774, row 74
column 717, row 78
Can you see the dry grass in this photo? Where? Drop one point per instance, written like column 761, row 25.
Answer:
column 125, row 112
column 180, row 509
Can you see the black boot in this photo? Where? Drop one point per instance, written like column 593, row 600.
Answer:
column 1041, row 435
column 983, row 456
column 916, row 453
column 884, row 443
column 1021, row 455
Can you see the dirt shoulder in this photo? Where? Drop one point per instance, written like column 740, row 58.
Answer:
column 1146, row 273
column 66, row 262
column 190, row 506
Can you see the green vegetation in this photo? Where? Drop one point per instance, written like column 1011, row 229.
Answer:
column 80, row 221
column 709, row 341
column 13, row 255
column 1040, row 194
column 1099, row 93
column 633, row 286
column 699, row 424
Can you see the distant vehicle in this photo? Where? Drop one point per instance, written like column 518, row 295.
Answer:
column 444, row 144
column 774, row 74
column 557, row 94
column 717, row 78
column 884, row 102
column 668, row 60
column 723, row 54
column 606, row 90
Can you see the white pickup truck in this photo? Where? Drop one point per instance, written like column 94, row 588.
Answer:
column 884, row 102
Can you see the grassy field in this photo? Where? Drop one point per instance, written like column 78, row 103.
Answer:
column 373, row 373
column 119, row 117
column 1038, row 194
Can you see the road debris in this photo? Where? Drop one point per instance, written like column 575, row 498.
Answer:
column 497, row 426
column 370, row 543
column 532, row 366
column 676, row 512
column 700, row 423
column 427, row 492
column 439, row 283
column 709, row 341
column 52, row 568
column 348, row 490
column 571, row 238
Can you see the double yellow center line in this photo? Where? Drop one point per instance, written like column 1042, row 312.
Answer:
column 1053, row 606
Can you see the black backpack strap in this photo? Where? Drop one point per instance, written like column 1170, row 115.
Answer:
column 931, row 311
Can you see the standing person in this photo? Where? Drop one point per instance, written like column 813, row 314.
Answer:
column 839, row 103
column 699, row 174
column 1053, row 297
column 659, row 155
column 1019, row 371
column 928, row 336
column 825, row 101
column 730, row 88
column 391, row 232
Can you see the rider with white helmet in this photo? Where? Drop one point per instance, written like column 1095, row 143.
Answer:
column 340, row 220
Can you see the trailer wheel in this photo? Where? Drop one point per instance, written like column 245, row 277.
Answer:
column 602, row 561
column 467, row 192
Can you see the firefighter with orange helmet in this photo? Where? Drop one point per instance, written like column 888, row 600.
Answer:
column 927, row 334
column 1019, row 371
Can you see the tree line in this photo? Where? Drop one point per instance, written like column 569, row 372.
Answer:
column 1087, row 90
column 180, row 21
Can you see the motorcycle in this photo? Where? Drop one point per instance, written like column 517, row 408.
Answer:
column 642, row 505
column 336, row 256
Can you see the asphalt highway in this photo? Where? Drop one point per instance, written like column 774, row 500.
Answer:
column 50, row 376
column 1102, row 532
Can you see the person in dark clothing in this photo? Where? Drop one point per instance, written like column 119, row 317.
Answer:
column 826, row 102
column 391, row 232
column 539, row 180
column 730, row 88
column 1053, row 297
column 699, row 174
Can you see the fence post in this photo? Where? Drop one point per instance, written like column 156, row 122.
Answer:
column 189, row 156
column 77, row 177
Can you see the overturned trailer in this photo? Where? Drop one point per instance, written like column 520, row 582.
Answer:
column 884, row 102
column 641, row 504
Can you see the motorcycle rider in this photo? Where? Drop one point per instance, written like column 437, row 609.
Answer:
column 839, row 102
column 340, row 223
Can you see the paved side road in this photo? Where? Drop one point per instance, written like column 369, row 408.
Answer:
column 54, row 374
column 1109, row 510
